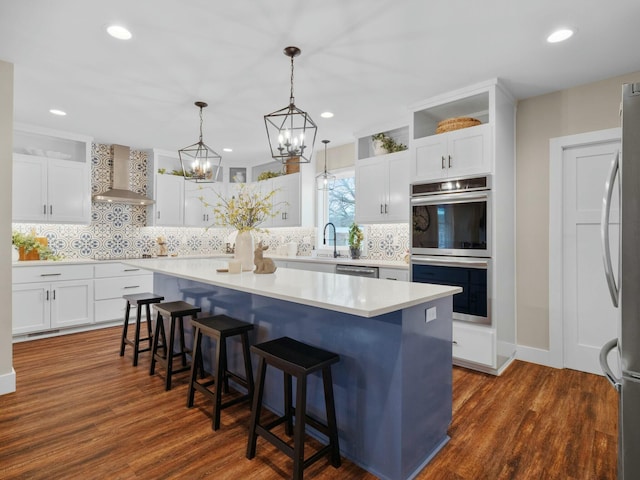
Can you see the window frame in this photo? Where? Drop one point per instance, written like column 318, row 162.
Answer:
column 322, row 213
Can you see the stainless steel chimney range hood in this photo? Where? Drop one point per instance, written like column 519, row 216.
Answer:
column 120, row 192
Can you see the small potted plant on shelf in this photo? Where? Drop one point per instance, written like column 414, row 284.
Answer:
column 382, row 144
column 355, row 240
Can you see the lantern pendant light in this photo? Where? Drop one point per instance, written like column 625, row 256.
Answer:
column 325, row 181
column 199, row 162
column 291, row 132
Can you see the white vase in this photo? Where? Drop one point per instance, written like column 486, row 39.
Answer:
column 378, row 149
column 15, row 255
column 244, row 250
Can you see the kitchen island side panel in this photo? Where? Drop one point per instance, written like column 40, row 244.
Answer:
column 392, row 385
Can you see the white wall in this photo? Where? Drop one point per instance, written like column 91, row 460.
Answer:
column 7, row 375
column 579, row 109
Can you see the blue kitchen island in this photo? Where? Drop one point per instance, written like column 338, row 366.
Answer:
column 393, row 384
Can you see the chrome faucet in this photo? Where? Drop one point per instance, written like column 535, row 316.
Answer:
column 324, row 238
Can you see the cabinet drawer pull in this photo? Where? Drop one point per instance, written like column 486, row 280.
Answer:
column 385, row 208
column 54, row 294
column 131, row 269
column 133, row 286
column 454, row 342
column 50, row 209
column 44, row 209
column 47, row 295
column 449, row 161
column 442, row 161
column 50, row 274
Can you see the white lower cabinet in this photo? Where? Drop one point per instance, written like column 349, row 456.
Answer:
column 51, row 297
column 393, row 274
column 112, row 281
column 474, row 343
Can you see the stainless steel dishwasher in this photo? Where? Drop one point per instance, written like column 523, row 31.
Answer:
column 357, row 270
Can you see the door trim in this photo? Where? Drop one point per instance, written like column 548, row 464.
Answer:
column 557, row 146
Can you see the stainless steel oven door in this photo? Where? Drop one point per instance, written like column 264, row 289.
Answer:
column 472, row 274
column 456, row 224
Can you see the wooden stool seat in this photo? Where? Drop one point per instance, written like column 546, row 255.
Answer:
column 295, row 359
column 174, row 311
column 220, row 327
column 138, row 300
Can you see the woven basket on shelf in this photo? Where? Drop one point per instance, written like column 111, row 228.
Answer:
column 456, row 123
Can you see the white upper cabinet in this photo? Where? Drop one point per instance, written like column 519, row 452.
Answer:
column 196, row 198
column 286, row 200
column 458, row 153
column 382, row 180
column 166, row 189
column 51, row 176
column 462, row 152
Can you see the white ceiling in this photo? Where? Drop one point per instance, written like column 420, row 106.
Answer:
column 364, row 60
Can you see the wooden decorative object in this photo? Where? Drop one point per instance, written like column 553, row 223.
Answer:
column 450, row 124
column 263, row 265
column 292, row 165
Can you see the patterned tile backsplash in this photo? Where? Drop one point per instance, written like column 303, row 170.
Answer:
column 119, row 231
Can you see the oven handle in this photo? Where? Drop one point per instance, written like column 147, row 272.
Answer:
column 448, row 262
column 450, row 198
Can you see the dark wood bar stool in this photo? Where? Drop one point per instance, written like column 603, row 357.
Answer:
column 220, row 327
column 138, row 300
column 295, row 359
column 174, row 311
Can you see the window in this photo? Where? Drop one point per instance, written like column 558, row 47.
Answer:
column 337, row 206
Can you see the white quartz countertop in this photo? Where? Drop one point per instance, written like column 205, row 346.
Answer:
column 307, row 258
column 366, row 297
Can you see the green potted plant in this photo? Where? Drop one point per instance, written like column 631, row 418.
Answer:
column 382, row 143
column 31, row 247
column 355, row 240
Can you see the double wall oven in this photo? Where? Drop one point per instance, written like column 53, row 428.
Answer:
column 451, row 241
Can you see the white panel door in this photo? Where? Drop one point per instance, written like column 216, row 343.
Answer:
column 30, row 203
column 69, row 192
column 71, row 303
column 30, row 307
column 589, row 318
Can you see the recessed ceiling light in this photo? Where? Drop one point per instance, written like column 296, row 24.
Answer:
column 55, row 111
column 227, row 149
column 326, row 114
column 560, row 35
column 119, row 32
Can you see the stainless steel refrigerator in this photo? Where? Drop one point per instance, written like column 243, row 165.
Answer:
column 625, row 286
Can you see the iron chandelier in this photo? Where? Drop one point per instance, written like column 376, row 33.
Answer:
column 291, row 132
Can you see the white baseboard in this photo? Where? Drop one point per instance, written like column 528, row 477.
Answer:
column 537, row 355
column 8, row 382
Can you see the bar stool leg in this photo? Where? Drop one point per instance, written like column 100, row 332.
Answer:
column 156, row 339
column 331, row 416
column 183, row 348
column 256, row 409
column 221, row 365
column 298, row 435
column 288, row 406
column 125, row 327
column 248, row 370
column 136, row 342
column 149, row 330
column 170, row 353
column 195, row 363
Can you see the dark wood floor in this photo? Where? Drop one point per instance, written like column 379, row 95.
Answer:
column 81, row 411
